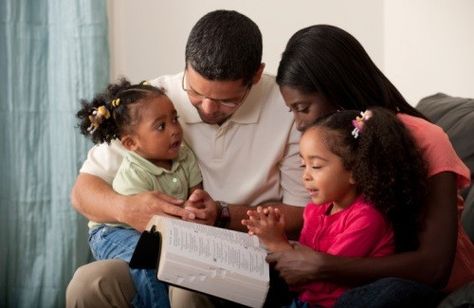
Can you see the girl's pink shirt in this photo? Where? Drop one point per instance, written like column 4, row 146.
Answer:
column 359, row 230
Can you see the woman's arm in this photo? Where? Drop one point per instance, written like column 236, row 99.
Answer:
column 431, row 263
column 94, row 198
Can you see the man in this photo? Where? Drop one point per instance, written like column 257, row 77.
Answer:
column 235, row 121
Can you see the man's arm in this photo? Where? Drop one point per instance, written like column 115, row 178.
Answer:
column 431, row 263
column 94, row 198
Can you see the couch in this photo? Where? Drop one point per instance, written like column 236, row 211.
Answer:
column 456, row 116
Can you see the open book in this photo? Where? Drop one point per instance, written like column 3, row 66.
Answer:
column 219, row 262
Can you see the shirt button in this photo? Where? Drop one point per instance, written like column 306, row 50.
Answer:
column 175, row 180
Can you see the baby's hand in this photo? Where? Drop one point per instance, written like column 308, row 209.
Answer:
column 269, row 225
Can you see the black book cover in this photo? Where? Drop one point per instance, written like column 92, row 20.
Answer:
column 147, row 251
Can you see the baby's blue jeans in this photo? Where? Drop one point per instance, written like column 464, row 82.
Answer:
column 119, row 243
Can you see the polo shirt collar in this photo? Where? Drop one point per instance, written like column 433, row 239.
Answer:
column 134, row 158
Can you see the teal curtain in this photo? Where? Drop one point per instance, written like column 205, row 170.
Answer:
column 52, row 54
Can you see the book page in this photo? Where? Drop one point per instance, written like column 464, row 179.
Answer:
column 225, row 249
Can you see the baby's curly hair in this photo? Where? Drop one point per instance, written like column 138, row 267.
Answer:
column 387, row 166
column 122, row 117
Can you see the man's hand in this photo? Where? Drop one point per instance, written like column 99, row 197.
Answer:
column 297, row 266
column 202, row 206
column 139, row 208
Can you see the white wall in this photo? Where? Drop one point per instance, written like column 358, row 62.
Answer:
column 424, row 46
column 429, row 47
column 148, row 37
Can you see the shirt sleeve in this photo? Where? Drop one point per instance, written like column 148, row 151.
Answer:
column 294, row 192
column 437, row 149
column 442, row 157
column 104, row 160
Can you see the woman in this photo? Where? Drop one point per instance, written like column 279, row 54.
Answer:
column 324, row 69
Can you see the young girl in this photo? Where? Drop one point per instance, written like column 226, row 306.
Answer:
column 367, row 183
column 145, row 121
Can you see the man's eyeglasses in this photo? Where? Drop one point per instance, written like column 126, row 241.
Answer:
column 229, row 103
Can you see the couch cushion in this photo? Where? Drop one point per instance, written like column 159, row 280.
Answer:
column 456, row 116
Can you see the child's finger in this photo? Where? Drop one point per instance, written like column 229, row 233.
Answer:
column 252, row 214
column 252, row 223
column 263, row 214
column 253, row 230
column 277, row 213
column 253, row 219
column 271, row 214
column 281, row 219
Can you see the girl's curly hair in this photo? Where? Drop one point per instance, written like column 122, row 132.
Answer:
column 387, row 166
column 122, row 117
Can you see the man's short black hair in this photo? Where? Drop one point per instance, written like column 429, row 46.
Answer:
column 225, row 45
